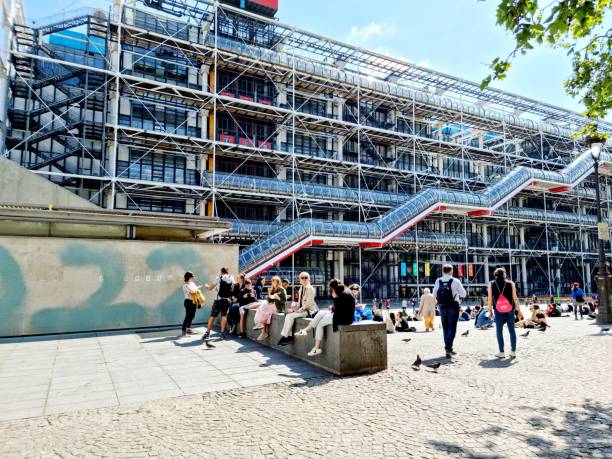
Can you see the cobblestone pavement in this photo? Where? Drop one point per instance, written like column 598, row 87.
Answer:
column 552, row 401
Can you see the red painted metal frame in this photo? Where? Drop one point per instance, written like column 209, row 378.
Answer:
column 561, row 189
column 479, row 213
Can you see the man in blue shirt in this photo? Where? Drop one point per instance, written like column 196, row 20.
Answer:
column 449, row 292
column 578, row 296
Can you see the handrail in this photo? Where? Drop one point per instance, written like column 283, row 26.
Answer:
column 300, row 233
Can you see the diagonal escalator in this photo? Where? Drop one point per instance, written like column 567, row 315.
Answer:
column 301, row 233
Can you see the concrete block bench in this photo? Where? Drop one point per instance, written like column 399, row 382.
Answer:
column 353, row 349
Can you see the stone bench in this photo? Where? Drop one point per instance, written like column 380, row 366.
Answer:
column 353, row 349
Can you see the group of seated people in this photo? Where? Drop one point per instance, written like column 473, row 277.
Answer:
column 245, row 297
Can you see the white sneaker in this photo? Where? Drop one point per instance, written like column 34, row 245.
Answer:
column 302, row 332
column 500, row 355
column 314, row 352
column 262, row 336
column 513, row 355
column 258, row 327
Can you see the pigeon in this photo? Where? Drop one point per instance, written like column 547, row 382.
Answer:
column 526, row 334
column 417, row 363
column 467, row 332
column 434, row 366
column 543, row 327
column 406, row 340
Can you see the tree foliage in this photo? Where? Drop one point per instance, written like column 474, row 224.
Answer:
column 577, row 26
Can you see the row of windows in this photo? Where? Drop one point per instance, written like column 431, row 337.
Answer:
column 249, row 168
column 156, row 205
column 245, row 212
column 305, row 105
column 160, row 25
column 246, row 29
column 157, row 168
column 368, row 114
column 155, row 118
column 246, row 87
column 161, row 64
column 253, row 132
column 309, row 145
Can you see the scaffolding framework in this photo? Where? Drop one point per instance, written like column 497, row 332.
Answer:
column 203, row 108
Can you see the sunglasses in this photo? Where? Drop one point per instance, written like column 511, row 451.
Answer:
column 304, row 278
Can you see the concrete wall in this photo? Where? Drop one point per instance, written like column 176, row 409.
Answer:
column 53, row 285
column 354, row 349
column 19, row 185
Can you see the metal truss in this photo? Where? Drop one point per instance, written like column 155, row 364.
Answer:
column 436, row 131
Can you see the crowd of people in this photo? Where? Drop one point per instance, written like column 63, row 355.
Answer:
column 500, row 308
column 235, row 296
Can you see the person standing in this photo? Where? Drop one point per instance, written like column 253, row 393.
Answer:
column 502, row 300
column 449, row 292
column 578, row 296
column 427, row 309
column 189, row 288
column 233, row 315
column 224, row 283
column 305, row 307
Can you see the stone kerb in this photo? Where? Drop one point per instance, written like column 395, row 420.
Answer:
column 353, row 349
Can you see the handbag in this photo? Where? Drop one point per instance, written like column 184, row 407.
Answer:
column 198, row 298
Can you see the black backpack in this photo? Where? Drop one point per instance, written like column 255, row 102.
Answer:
column 444, row 295
column 225, row 289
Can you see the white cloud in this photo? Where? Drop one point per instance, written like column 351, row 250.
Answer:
column 361, row 35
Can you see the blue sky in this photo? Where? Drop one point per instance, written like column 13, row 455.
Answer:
column 458, row 37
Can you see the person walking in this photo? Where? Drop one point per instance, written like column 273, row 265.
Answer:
column 189, row 288
column 578, row 296
column 427, row 309
column 224, row 283
column 449, row 292
column 305, row 307
column 502, row 300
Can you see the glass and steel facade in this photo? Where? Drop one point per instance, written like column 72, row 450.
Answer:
column 324, row 157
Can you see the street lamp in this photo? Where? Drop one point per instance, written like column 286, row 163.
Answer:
column 604, row 280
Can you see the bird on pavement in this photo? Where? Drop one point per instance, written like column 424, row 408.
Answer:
column 434, row 366
column 467, row 332
column 417, row 363
column 406, row 340
column 543, row 327
column 526, row 334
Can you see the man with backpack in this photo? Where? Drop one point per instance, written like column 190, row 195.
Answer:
column 578, row 296
column 224, row 283
column 449, row 292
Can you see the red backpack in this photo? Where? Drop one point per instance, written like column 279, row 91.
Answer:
column 502, row 305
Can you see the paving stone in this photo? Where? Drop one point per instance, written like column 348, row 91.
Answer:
column 475, row 406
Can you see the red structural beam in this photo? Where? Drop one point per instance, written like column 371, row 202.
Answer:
column 479, row 213
column 371, row 245
column 560, row 189
column 273, row 4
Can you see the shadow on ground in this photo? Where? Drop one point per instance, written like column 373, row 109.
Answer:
column 580, row 430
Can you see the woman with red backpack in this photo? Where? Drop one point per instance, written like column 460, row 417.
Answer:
column 502, row 300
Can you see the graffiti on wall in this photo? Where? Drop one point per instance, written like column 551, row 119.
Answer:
column 55, row 286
